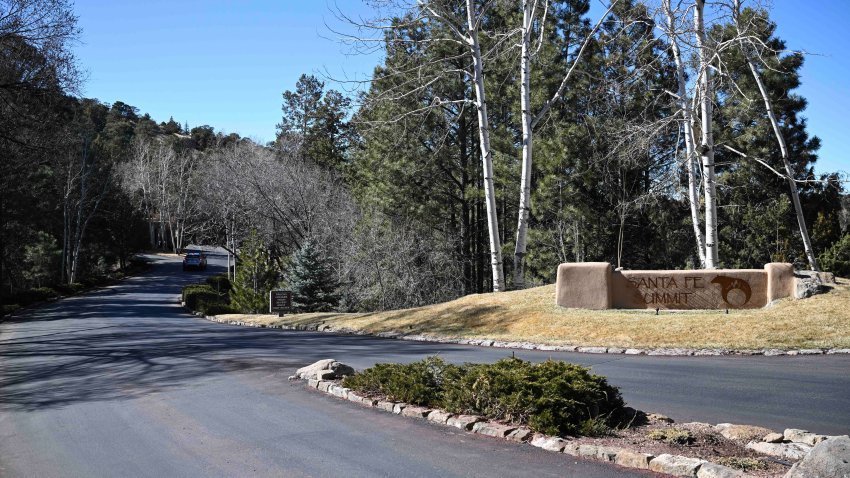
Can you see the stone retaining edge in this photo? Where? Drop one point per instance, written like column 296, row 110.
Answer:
column 320, row 327
column 670, row 464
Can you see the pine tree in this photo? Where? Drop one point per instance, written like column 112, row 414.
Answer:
column 311, row 280
column 750, row 192
column 255, row 277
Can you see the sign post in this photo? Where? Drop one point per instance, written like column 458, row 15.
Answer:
column 280, row 301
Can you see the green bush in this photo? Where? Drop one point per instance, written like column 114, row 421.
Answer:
column 9, row 308
column 70, row 289
column 419, row 383
column 31, row 296
column 551, row 397
column 203, row 298
column 744, row 464
column 219, row 283
column 836, row 259
column 46, row 293
column 673, row 436
column 216, row 309
column 192, row 288
column 194, row 294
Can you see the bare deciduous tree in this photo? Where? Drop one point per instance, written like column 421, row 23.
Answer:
column 750, row 49
column 530, row 120
column 459, row 25
column 706, row 148
column 684, row 101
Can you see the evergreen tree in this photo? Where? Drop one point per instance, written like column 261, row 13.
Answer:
column 40, row 259
column 311, row 280
column 314, row 120
column 171, row 127
column 752, row 197
column 255, row 277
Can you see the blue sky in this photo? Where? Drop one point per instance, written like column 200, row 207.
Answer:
column 226, row 63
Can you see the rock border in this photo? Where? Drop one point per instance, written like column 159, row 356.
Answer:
column 670, row 352
column 664, row 463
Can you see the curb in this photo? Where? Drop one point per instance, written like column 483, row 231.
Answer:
column 670, row 352
column 664, row 463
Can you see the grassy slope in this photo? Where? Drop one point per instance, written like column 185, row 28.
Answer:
column 530, row 315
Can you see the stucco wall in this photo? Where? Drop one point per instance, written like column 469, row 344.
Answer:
column 595, row 285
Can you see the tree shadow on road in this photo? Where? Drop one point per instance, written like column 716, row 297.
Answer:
column 134, row 339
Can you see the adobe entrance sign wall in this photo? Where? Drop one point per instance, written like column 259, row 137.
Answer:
column 595, row 285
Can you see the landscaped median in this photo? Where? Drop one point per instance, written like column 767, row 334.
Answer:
column 536, row 404
column 530, row 319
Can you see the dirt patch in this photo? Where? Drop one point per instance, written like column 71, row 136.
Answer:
column 703, row 442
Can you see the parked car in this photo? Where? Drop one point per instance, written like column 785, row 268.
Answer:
column 195, row 260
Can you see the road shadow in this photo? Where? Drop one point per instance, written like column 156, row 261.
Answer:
column 134, row 339
column 125, row 361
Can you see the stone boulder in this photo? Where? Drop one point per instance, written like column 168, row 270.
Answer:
column 803, row 436
column 791, row 451
column 548, row 443
column 741, row 432
column 675, row 465
column 829, row 459
column 808, row 283
column 713, row 470
column 326, row 369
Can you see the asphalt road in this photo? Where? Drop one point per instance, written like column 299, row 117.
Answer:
column 121, row 382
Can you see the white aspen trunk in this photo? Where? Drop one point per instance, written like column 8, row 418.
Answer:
column 525, row 179
column 707, row 147
column 529, row 121
column 227, row 236
column 486, row 153
column 66, row 228
column 77, row 240
column 233, row 246
column 687, row 122
column 780, row 138
column 789, row 171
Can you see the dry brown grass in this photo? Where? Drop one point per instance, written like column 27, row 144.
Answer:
column 531, row 315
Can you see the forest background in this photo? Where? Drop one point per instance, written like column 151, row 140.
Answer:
column 389, row 184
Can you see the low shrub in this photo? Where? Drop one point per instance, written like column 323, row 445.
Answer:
column 31, row 296
column 836, row 259
column 70, row 289
column 138, row 262
column 552, row 397
column 216, row 309
column 192, row 288
column 744, row 464
column 672, row 436
column 420, row 383
column 193, row 293
column 219, row 283
column 45, row 293
column 9, row 308
column 202, row 298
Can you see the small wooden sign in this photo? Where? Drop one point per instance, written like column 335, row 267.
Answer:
column 280, row 301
